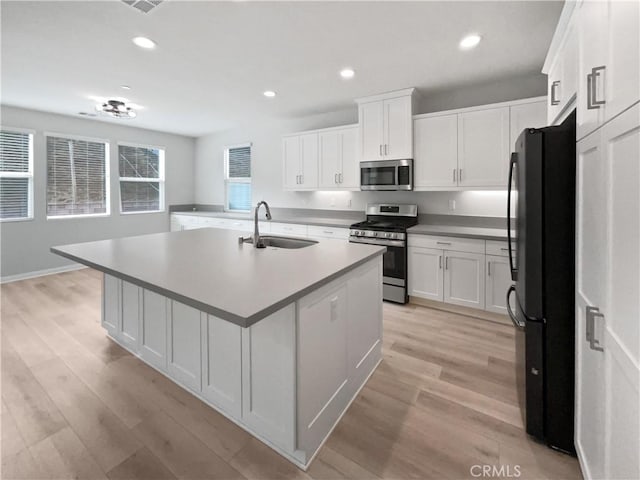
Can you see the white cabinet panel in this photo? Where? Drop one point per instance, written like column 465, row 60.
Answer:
column 526, row 115
column 111, row 304
column 483, row 148
column 435, row 151
column 316, row 231
column 309, row 161
column 268, row 377
column 153, row 335
column 425, row 273
column 291, row 161
column 350, row 167
column 289, row 229
column 464, row 279
column 398, row 128
column 184, row 345
column 130, row 323
column 222, row 364
column 498, row 281
column 322, row 340
column 495, row 247
column 371, row 130
column 329, row 158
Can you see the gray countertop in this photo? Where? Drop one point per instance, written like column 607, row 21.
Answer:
column 306, row 220
column 208, row 270
column 459, row 231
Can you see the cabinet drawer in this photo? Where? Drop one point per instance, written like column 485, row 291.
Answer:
column 289, row 229
column 328, row 232
column 447, row 243
column 497, row 248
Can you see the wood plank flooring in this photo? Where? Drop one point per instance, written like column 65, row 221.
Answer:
column 76, row 405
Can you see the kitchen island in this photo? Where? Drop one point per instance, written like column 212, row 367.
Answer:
column 278, row 340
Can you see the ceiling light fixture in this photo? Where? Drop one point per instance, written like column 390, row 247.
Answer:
column 269, row 93
column 125, row 87
column 347, row 73
column 144, row 42
column 470, row 41
column 116, row 109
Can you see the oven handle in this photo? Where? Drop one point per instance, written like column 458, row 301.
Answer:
column 376, row 241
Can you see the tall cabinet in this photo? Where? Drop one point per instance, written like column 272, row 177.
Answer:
column 607, row 436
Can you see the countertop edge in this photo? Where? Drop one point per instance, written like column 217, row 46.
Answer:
column 243, row 322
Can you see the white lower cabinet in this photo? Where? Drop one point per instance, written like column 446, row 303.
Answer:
column 222, row 364
column 426, row 273
column 464, row 279
column 497, row 282
column 153, row 330
column 183, row 345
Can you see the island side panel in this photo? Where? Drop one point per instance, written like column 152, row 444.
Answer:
column 339, row 346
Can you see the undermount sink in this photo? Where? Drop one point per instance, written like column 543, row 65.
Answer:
column 282, row 242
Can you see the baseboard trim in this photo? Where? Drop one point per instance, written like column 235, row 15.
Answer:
column 40, row 273
column 469, row 312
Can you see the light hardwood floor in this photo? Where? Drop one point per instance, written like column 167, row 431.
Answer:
column 76, row 405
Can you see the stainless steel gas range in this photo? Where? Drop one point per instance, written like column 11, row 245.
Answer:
column 387, row 225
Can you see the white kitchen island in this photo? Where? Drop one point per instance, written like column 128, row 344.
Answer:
column 278, row 340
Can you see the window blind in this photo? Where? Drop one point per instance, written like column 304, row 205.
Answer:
column 76, row 177
column 141, row 178
column 16, row 179
column 238, row 178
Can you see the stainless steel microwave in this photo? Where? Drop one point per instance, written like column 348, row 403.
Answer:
column 386, row 175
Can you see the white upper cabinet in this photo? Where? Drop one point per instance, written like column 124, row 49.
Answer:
column 483, row 148
column 338, row 158
column 562, row 76
column 386, row 126
column 526, row 115
column 435, row 141
column 300, row 161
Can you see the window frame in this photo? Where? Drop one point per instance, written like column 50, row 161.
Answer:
column 107, row 174
column 228, row 180
column 28, row 174
column 160, row 180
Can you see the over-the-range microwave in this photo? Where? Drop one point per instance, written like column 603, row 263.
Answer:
column 386, row 175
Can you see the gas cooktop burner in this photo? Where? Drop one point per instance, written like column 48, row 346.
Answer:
column 381, row 225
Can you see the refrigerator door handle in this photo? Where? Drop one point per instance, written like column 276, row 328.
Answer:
column 517, row 323
column 512, row 163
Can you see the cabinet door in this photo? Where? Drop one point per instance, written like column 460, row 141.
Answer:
column 130, row 299
column 183, row 350
column 309, row 161
column 153, row 334
column 498, row 281
column 554, row 93
column 464, row 279
column 222, row 364
column 329, row 158
column 350, row 163
column 371, row 130
column 483, row 148
column 592, row 47
column 623, row 57
column 526, row 115
column 435, row 151
column 111, row 305
column 425, row 267
column 291, row 162
column 398, row 129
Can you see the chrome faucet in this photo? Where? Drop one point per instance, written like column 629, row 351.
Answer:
column 256, row 234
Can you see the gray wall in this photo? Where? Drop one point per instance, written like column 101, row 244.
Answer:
column 267, row 156
column 25, row 244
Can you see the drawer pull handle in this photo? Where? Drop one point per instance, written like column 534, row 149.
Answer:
column 328, row 231
column 504, row 249
column 443, row 243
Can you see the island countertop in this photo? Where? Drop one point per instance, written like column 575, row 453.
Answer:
column 208, row 270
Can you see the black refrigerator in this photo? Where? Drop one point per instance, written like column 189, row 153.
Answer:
column 541, row 213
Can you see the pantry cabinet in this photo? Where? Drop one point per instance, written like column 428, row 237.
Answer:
column 386, row 126
column 338, row 158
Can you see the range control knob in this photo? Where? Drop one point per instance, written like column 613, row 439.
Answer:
column 388, row 235
column 374, row 234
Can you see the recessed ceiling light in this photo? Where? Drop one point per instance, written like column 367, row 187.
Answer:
column 125, row 87
column 470, row 41
column 269, row 93
column 144, row 42
column 347, row 73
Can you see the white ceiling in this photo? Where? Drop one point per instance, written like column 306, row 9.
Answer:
column 214, row 59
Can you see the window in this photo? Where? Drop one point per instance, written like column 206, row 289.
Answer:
column 16, row 174
column 141, row 178
column 77, row 177
column 237, row 161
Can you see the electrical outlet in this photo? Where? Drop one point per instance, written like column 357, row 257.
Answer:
column 333, row 201
column 452, row 205
column 348, row 203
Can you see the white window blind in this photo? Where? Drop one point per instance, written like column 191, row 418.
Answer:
column 141, row 178
column 16, row 175
column 77, row 177
column 238, row 177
